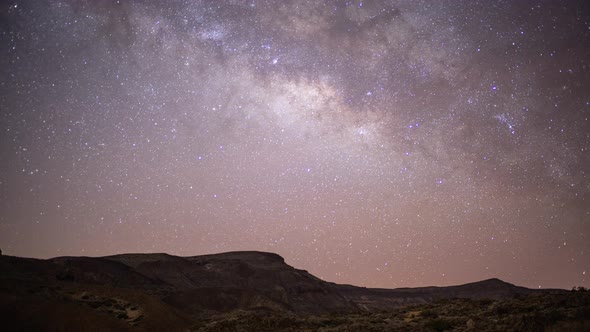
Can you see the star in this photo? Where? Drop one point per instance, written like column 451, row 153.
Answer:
column 356, row 136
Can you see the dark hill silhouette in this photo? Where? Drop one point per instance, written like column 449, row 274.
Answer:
column 153, row 291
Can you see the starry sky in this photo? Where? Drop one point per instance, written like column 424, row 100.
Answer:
column 377, row 143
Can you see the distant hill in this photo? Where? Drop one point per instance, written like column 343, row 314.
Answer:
column 165, row 292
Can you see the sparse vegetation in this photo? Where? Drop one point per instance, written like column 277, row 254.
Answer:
column 116, row 307
column 543, row 312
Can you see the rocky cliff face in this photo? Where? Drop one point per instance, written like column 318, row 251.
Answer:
column 238, row 280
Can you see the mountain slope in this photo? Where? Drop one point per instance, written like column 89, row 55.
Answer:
column 153, row 291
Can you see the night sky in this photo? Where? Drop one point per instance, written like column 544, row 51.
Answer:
column 377, row 143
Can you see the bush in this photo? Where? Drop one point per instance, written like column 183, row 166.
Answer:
column 439, row 324
column 429, row 313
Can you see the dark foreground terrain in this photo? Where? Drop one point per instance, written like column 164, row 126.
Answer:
column 255, row 291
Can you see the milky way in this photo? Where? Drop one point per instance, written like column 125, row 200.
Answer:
column 377, row 143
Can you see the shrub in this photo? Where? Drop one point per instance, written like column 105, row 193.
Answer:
column 429, row 313
column 439, row 324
